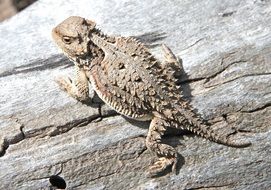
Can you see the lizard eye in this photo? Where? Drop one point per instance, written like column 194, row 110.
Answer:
column 66, row 40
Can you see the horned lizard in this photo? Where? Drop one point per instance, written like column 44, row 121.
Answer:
column 126, row 76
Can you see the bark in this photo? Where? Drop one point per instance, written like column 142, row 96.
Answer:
column 225, row 47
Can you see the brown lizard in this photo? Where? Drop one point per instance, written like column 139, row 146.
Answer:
column 126, row 76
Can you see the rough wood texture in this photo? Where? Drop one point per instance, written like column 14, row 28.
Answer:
column 225, row 48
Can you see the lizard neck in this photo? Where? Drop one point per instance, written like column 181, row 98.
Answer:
column 95, row 53
column 102, row 40
column 104, row 45
column 94, row 57
column 98, row 36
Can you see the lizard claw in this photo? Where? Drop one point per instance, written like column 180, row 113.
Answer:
column 64, row 82
column 161, row 165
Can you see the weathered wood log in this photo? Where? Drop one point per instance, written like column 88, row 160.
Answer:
column 226, row 52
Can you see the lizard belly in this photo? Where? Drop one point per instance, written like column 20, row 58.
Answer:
column 117, row 103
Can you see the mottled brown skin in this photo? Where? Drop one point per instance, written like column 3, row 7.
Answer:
column 127, row 77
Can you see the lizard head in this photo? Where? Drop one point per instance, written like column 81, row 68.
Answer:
column 72, row 36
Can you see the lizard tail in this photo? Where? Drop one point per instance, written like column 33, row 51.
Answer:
column 204, row 130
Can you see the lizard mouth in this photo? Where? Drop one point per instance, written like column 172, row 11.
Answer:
column 83, row 60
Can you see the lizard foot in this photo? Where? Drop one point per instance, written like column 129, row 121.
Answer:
column 161, row 165
column 65, row 83
column 74, row 89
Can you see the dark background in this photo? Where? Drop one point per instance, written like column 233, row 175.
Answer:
column 9, row 8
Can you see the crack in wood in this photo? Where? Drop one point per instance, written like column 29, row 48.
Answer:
column 223, row 69
column 193, row 44
column 209, row 187
column 267, row 105
column 236, row 78
column 4, row 145
column 58, row 130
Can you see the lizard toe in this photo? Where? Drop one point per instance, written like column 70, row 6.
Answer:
column 64, row 82
column 161, row 165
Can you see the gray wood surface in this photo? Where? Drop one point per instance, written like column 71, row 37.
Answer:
column 226, row 52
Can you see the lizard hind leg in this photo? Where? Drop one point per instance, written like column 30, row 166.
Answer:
column 166, row 153
column 172, row 62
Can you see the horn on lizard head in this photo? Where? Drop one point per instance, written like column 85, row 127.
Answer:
column 90, row 23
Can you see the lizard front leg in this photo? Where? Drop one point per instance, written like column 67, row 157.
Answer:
column 166, row 153
column 77, row 88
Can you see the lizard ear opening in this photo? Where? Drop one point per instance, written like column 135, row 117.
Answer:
column 91, row 24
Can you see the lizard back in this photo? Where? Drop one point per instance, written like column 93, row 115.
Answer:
column 134, row 82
